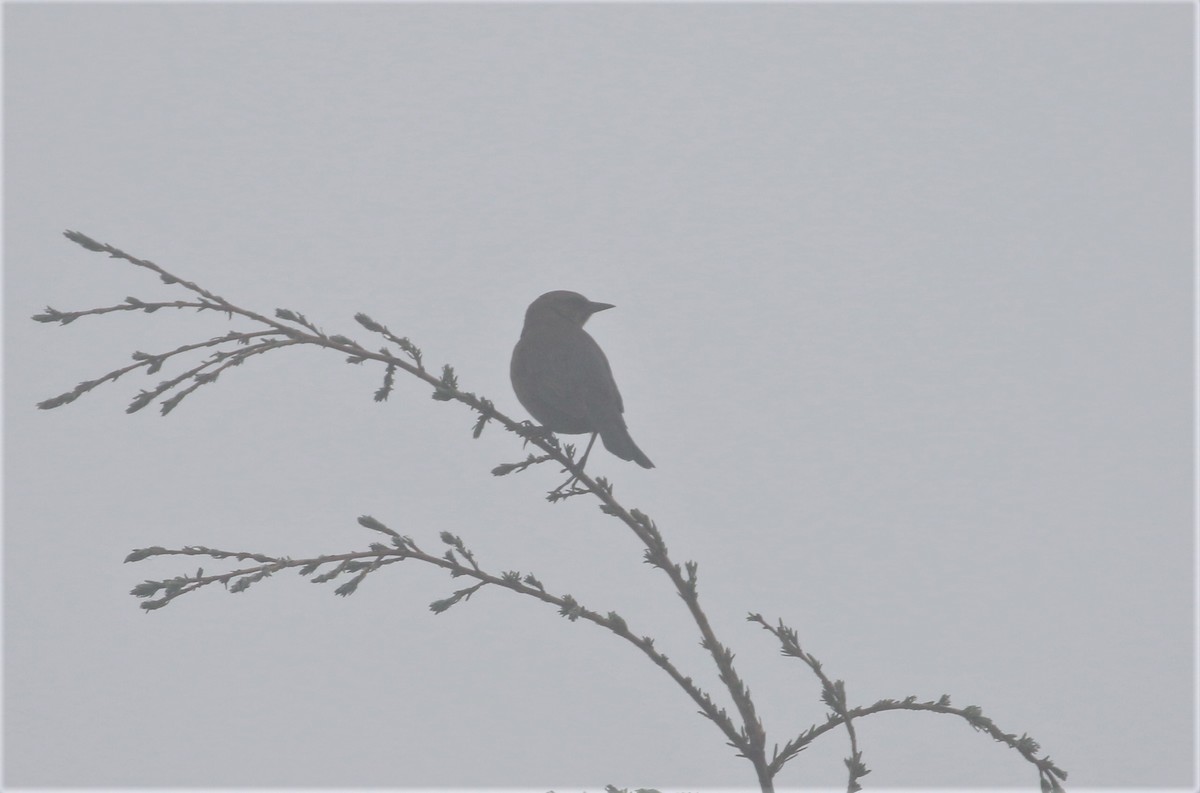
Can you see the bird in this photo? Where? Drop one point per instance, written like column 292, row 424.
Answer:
column 562, row 377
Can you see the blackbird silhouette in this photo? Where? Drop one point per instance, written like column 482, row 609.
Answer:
column 563, row 379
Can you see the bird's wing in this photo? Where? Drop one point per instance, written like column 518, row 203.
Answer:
column 591, row 370
column 546, row 383
column 565, row 380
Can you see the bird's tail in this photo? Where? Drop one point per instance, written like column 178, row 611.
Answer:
column 616, row 440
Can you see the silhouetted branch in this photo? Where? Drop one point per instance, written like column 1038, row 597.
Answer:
column 833, row 693
column 358, row 564
column 294, row 328
column 288, row 328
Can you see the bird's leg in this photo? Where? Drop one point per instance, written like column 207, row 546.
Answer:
column 582, row 462
column 587, row 451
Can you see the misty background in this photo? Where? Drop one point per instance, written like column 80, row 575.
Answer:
column 904, row 317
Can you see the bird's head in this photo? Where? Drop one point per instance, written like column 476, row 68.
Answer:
column 572, row 306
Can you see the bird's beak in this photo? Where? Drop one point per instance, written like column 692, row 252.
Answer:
column 595, row 307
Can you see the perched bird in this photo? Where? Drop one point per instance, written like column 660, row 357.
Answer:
column 562, row 377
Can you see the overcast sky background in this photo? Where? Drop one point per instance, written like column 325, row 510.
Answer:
column 904, row 317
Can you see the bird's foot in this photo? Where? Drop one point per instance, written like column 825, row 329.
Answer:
column 566, row 490
column 561, row 492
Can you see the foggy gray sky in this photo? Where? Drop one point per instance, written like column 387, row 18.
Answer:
column 904, row 317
